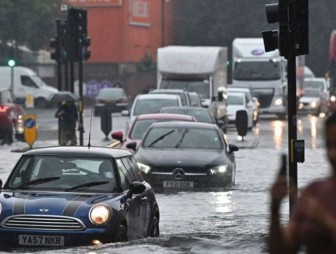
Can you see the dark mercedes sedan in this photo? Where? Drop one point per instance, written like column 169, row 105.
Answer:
column 186, row 156
column 70, row 196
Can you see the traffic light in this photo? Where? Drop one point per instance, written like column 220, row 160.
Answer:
column 56, row 45
column 277, row 39
column 77, row 40
column 292, row 17
column 11, row 62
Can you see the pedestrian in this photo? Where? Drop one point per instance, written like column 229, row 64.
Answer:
column 68, row 117
column 312, row 225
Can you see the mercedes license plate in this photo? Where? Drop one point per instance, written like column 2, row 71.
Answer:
column 41, row 240
column 178, row 184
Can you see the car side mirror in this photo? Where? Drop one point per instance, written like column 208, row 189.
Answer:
column 118, row 135
column 233, row 148
column 135, row 187
column 132, row 145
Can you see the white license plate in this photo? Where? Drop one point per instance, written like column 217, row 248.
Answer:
column 178, row 184
column 41, row 240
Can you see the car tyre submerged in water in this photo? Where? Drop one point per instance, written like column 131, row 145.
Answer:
column 154, row 229
column 122, row 234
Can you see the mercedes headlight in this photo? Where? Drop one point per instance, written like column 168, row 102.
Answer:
column 100, row 214
column 222, row 169
column 144, row 168
column 278, row 102
column 313, row 104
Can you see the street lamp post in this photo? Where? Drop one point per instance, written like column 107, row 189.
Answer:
column 11, row 64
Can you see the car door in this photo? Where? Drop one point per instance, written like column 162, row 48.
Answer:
column 137, row 206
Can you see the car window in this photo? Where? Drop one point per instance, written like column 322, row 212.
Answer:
column 148, row 106
column 68, row 172
column 125, row 176
column 27, row 81
column 235, row 100
column 132, row 168
column 180, row 137
column 140, row 127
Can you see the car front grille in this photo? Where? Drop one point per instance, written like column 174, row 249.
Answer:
column 265, row 97
column 43, row 222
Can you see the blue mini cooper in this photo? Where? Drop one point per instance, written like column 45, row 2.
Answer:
column 72, row 196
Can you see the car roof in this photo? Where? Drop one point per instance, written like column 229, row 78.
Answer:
column 186, row 108
column 165, row 116
column 236, row 93
column 157, row 96
column 79, row 151
column 168, row 91
column 185, row 124
column 315, row 79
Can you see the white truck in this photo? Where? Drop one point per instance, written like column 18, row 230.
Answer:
column 200, row 69
column 22, row 81
column 264, row 73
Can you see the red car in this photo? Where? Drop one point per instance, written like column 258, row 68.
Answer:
column 11, row 119
column 140, row 124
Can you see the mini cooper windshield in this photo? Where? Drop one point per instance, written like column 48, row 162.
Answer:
column 63, row 174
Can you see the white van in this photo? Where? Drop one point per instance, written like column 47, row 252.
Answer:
column 25, row 81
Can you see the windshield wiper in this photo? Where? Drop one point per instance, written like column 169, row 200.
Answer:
column 182, row 137
column 36, row 182
column 87, row 185
column 161, row 137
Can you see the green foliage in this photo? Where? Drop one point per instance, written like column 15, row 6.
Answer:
column 28, row 22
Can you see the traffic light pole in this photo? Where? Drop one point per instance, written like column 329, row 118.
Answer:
column 292, row 108
column 80, row 84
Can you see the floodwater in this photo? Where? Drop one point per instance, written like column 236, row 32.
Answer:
column 235, row 221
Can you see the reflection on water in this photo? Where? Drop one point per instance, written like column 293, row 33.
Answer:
column 222, row 202
column 313, row 130
column 277, row 127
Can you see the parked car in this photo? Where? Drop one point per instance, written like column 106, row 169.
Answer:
column 11, row 119
column 186, row 156
column 70, row 196
column 237, row 101
column 313, row 101
column 252, row 102
column 201, row 114
column 140, row 125
column 113, row 99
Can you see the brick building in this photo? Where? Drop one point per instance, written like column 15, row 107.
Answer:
column 125, row 35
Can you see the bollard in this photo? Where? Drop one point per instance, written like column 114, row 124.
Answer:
column 29, row 100
column 241, row 123
column 106, row 122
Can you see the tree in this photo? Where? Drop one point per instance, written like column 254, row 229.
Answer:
column 27, row 23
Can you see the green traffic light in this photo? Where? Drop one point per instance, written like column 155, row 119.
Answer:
column 11, row 63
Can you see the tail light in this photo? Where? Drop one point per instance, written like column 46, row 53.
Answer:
column 100, row 101
column 3, row 108
column 122, row 100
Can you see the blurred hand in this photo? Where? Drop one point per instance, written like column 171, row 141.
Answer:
column 279, row 189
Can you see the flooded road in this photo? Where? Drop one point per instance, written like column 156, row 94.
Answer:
column 234, row 221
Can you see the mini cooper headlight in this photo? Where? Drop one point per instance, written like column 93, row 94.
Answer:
column 99, row 214
column 144, row 168
column 219, row 170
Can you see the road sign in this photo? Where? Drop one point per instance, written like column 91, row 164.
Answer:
column 30, row 129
